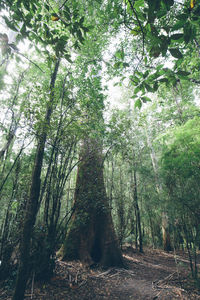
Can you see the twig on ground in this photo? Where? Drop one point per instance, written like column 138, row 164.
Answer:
column 164, row 279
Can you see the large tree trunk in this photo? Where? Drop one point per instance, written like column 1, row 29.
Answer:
column 91, row 237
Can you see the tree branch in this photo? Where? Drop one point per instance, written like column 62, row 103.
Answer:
column 139, row 23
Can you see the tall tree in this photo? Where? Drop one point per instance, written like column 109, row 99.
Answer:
column 33, row 201
column 91, row 236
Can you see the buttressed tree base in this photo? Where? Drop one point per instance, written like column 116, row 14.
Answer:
column 91, row 237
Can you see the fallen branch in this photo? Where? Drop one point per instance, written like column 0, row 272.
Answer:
column 164, row 279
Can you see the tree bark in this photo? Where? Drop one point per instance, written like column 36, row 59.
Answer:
column 165, row 232
column 137, row 214
column 91, row 237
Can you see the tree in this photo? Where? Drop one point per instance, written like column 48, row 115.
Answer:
column 161, row 29
column 180, row 162
column 43, row 35
column 165, row 223
column 91, row 236
column 125, row 151
column 46, row 35
column 32, row 203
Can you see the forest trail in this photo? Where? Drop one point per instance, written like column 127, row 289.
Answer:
column 150, row 275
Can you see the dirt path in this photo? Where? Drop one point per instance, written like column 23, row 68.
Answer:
column 152, row 275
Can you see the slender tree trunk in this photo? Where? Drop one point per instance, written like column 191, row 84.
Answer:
column 91, row 237
column 112, row 182
column 188, row 248
column 165, row 232
column 152, row 230
column 14, row 121
column 137, row 212
column 136, row 231
column 120, row 211
column 5, row 255
column 32, row 203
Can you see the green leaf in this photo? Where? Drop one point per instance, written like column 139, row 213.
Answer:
column 182, row 17
column 26, row 5
column 120, row 54
column 169, row 3
column 160, row 67
column 34, row 7
column 161, row 13
column 80, row 36
column 85, row 29
column 145, row 99
column 125, row 65
column 183, row 73
column 68, row 58
column 148, row 87
column 178, row 25
column 118, row 64
column 187, row 33
column 46, row 6
column 81, row 20
column 16, row 17
column 164, row 80
column 60, row 47
column 175, row 52
column 179, row 62
column 138, row 4
column 136, row 30
column 173, row 80
column 176, row 36
column 137, row 89
column 67, row 14
column 23, row 29
column 155, row 86
column 134, row 96
column 146, row 74
column 47, row 31
column 9, row 24
column 155, row 51
column 134, row 79
column 138, row 104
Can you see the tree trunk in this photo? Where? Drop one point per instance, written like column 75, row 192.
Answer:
column 137, row 213
column 151, row 227
column 165, row 232
column 91, row 237
column 32, row 203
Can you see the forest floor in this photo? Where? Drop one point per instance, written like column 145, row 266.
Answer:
column 153, row 274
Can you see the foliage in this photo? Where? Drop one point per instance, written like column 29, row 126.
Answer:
column 180, row 162
column 180, row 165
column 162, row 30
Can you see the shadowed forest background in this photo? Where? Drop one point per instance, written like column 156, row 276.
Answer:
column 100, row 138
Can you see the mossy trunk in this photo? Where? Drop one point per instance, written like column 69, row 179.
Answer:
column 91, row 237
